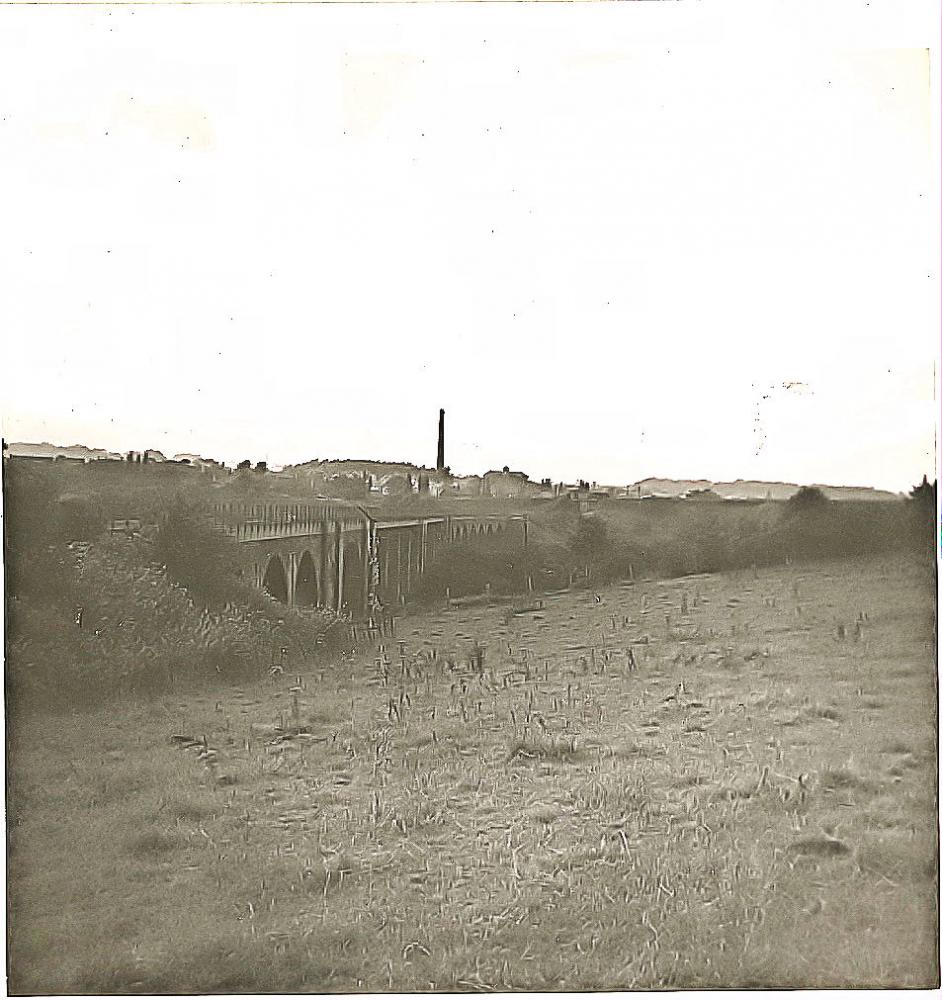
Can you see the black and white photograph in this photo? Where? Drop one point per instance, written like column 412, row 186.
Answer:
column 470, row 516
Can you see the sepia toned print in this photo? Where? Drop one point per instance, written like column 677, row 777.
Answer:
column 538, row 737
column 470, row 499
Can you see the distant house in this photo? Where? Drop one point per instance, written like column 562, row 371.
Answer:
column 197, row 461
column 52, row 452
column 705, row 495
column 507, row 485
column 148, row 455
column 615, row 492
column 465, row 486
column 587, row 498
column 208, row 466
column 384, row 484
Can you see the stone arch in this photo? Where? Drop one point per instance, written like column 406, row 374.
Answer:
column 275, row 580
column 306, row 592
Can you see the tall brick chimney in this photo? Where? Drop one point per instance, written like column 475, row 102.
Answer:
column 440, row 461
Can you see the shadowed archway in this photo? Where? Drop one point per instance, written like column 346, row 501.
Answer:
column 275, row 581
column 305, row 587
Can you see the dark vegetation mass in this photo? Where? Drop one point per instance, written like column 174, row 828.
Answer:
column 92, row 613
column 673, row 538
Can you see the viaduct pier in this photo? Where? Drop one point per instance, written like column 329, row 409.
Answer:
column 333, row 554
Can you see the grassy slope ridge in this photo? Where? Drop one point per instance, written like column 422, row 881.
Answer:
column 753, row 805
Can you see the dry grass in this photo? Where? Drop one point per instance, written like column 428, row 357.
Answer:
column 753, row 805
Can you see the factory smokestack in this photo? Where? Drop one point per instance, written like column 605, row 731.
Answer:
column 440, row 461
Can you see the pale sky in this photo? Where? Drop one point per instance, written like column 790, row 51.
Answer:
column 613, row 241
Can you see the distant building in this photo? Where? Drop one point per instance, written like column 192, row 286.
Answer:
column 53, row 452
column 465, row 486
column 587, row 497
column 701, row 496
column 508, row 485
column 198, row 462
column 148, row 455
column 610, row 491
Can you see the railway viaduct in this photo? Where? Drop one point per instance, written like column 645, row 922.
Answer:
column 334, row 554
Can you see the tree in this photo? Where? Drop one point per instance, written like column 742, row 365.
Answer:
column 922, row 500
column 590, row 544
column 198, row 557
column 399, row 485
column 808, row 498
column 925, row 493
column 811, row 527
column 244, row 464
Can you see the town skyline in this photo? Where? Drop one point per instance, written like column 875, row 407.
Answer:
column 655, row 483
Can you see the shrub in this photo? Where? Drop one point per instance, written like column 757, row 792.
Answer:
column 807, row 498
column 120, row 623
column 198, row 558
column 591, row 539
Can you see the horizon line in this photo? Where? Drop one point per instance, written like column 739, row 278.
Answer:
column 283, row 467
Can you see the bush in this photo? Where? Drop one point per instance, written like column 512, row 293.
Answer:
column 807, row 498
column 922, row 501
column 591, row 543
column 199, row 558
column 672, row 538
column 466, row 569
column 118, row 622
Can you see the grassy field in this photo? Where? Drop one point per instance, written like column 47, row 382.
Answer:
column 751, row 803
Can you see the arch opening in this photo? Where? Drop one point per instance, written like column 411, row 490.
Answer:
column 306, row 594
column 275, row 581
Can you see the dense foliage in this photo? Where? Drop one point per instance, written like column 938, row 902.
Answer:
column 90, row 613
column 671, row 538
